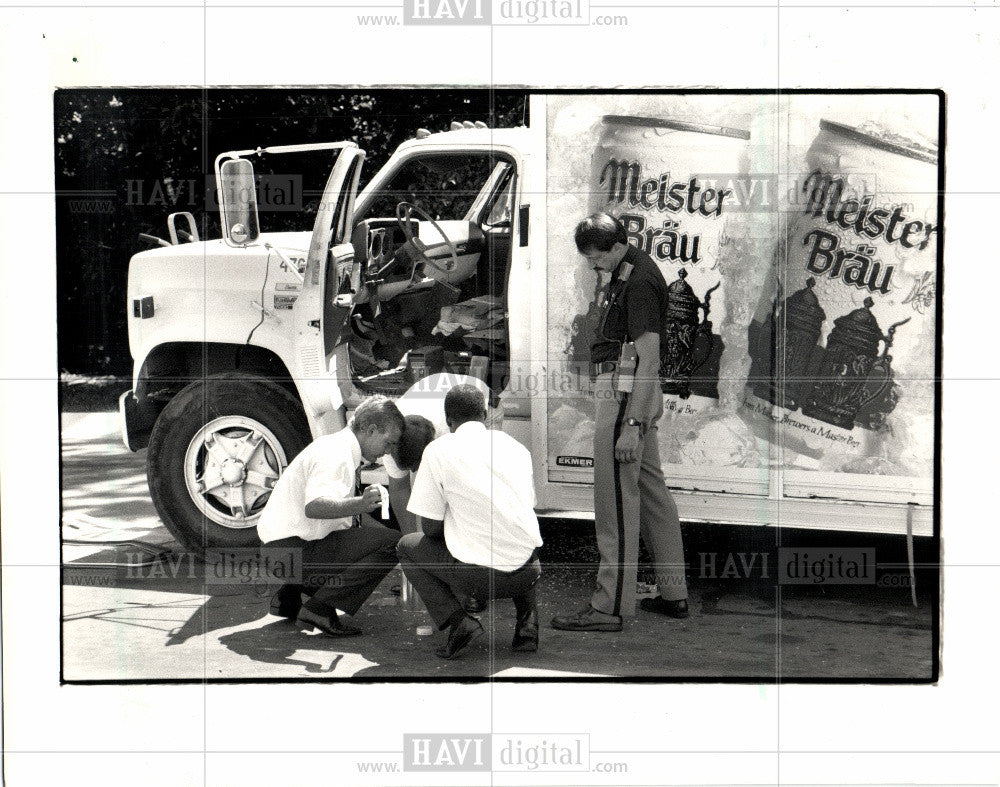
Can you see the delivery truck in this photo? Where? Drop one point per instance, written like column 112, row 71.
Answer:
column 800, row 365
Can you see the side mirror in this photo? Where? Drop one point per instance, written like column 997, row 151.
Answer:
column 238, row 202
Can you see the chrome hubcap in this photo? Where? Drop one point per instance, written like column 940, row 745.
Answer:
column 230, row 468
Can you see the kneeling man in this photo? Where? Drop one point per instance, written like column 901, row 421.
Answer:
column 316, row 508
column 475, row 493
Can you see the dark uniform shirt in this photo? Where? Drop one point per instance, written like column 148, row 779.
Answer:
column 640, row 308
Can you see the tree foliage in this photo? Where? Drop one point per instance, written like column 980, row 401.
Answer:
column 125, row 158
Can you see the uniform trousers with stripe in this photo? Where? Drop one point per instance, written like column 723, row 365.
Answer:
column 631, row 500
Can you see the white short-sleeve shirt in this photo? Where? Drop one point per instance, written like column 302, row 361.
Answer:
column 326, row 468
column 479, row 483
column 426, row 397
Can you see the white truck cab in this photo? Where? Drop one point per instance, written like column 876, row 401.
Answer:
column 248, row 347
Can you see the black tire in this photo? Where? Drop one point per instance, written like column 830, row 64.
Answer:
column 196, row 405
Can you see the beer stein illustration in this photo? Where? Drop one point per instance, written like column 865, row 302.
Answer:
column 851, row 374
column 791, row 350
column 687, row 342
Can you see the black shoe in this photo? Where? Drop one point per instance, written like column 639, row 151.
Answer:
column 473, row 605
column 287, row 602
column 460, row 636
column 673, row 609
column 587, row 619
column 329, row 624
column 526, row 632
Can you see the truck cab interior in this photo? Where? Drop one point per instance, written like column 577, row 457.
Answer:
column 432, row 254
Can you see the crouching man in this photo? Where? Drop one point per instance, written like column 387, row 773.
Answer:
column 422, row 406
column 474, row 492
column 316, row 508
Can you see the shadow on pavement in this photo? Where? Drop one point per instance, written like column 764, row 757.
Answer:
column 279, row 642
column 221, row 611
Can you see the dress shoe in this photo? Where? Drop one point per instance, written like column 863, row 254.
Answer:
column 526, row 632
column 473, row 605
column 287, row 602
column 673, row 609
column 460, row 636
column 329, row 624
column 587, row 619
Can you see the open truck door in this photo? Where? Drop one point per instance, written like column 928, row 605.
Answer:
column 219, row 446
column 331, row 284
column 330, row 277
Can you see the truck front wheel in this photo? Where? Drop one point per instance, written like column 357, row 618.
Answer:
column 214, row 456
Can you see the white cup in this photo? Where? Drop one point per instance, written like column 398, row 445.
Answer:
column 384, row 494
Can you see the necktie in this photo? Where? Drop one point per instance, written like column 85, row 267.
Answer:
column 356, row 519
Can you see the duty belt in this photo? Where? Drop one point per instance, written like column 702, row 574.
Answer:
column 604, row 367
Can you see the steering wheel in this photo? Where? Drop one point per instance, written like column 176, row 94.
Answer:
column 404, row 212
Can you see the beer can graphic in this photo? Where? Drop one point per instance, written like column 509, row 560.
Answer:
column 842, row 346
column 673, row 184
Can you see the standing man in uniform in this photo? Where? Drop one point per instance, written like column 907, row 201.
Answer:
column 630, row 493
column 316, row 509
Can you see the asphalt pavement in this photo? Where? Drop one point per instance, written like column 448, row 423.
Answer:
column 163, row 615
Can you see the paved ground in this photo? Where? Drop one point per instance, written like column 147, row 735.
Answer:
column 164, row 621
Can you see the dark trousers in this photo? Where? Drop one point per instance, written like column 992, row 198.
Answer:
column 341, row 570
column 439, row 578
column 631, row 500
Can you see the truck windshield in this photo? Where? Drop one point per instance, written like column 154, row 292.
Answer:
column 446, row 186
